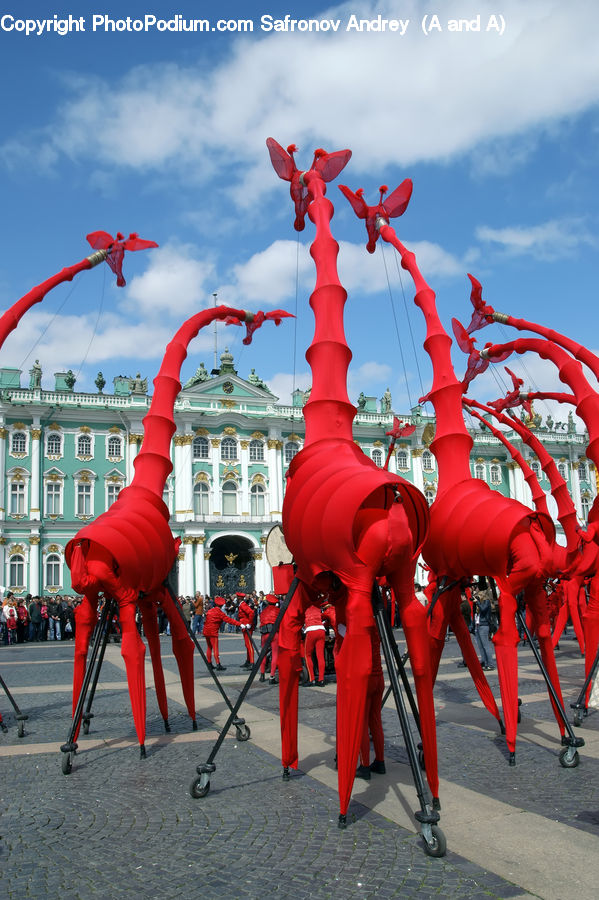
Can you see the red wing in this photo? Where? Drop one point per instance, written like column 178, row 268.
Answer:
column 357, row 202
column 134, row 242
column 463, row 339
column 482, row 311
column 282, row 162
column 476, row 294
column 276, row 315
column 331, row 164
column 99, row 240
column 516, row 381
column 397, row 202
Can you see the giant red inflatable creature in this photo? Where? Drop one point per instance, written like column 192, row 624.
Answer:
column 345, row 520
column 128, row 551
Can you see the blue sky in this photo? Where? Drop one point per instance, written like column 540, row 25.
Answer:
column 164, row 133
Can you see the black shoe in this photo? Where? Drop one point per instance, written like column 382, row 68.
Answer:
column 262, row 677
column 220, row 668
column 378, row 766
column 273, row 680
column 461, row 665
column 309, row 684
column 320, row 683
column 363, row 772
column 245, row 665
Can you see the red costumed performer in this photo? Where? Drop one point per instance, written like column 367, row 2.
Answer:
column 315, row 639
column 214, row 619
column 268, row 617
column 247, row 616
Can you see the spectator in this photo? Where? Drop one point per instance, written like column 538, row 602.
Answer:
column 53, row 620
column 35, row 619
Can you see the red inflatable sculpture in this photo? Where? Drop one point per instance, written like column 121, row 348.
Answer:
column 345, row 520
column 128, row 551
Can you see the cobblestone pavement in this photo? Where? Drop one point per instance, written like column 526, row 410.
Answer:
column 121, row 827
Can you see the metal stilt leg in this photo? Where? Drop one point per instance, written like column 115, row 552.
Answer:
column 201, row 785
column 20, row 717
column 580, row 706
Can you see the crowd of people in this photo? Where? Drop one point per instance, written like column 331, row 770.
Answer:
column 35, row 618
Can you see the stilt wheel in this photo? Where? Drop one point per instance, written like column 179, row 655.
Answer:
column 436, row 844
column 243, row 733
column 569, row 758
column 199, row 790
column 67, row 763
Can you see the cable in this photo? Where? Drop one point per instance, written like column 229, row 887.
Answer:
column 403, row 362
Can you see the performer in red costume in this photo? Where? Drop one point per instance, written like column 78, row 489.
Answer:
column 247, row 616
column 268, row 617
column 315, row 638
column 212, row 623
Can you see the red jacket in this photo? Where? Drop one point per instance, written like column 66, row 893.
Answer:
column 213, row 620
column 269, row 614
column 247, row 614
column 313, row 616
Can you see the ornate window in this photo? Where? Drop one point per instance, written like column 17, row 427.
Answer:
column 402, row 459
column 84, row 445
column 113, row 489
column 84, row 499
column 536, row 467
column 54, row 444
column 53, row 570
column 291, row 448
column 495, row 474
column 53, row 502
column 201, row 499
column 427, row 461
column 18, row 442
column 114, row 447
column 200, row 448
column 229, row 498
column 17, row 499
column 377, row 457
column 16, row 571
column 257, row 496
column 584, row 505
column 228, row 448
column 479, row 471
column 562, row 468
column 256, row 451
column 583, row 472
column 429, row 494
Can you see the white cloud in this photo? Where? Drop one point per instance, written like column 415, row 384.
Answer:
column 353, row 89
column 555, row 239
column 175, row 282
column 282, row 384
column 270, row 275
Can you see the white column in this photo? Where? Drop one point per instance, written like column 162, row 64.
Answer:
column 132, row 450
column 417, row 468
column 199, row 566
column 34, row 564
column 575, row 489
column 34, row 508
column 186, row 567
column 274, row 483
column 206, row 564
column 511, row 466
column 215, row 497
column 182, row 476
column 245, row 487
column 3, row 436
column 392, row 462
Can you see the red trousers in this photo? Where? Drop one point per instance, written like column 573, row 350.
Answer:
column 249, row 647
column 212, row 644
column 373, row 725
column 315, row 641
column 274, row 657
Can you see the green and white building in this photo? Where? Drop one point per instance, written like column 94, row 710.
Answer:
column 65, row 455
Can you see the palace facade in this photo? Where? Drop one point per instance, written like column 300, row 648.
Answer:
column 65, row 455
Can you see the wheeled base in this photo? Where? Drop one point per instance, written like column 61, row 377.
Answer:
column 19, row 716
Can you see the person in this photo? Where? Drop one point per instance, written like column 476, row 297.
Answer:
column 215, row 617
column 247, row 616
column 22, row 620
column 420, row 595
column 315, row 639
column 198, row 613
column 45, row 619
column 53, row 620
column 482, row 621
column 268, row 617
column 10, row 611
column 466, row 609
column 35, row 619
column 373, row 723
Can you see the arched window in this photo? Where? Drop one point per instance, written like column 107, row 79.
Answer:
column 583, row 472
column 495, row 474
column 257, row 500
column 229, row 498
column 54, row 445
column 429, row 495
column 479, row 471
column 427, row 461
column 53, row 570
column 228, row 448
column 256, row 451
column 16, row 571
column 402, row 459
column 201, row 497
column 291, row 448
column 377, row 457
column 18, row 443
column 115, row 446
column 562, row 468
column 536, row 467
column 200, row 448
column 84, row 445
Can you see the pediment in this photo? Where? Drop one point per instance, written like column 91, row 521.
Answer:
column 228, row 386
